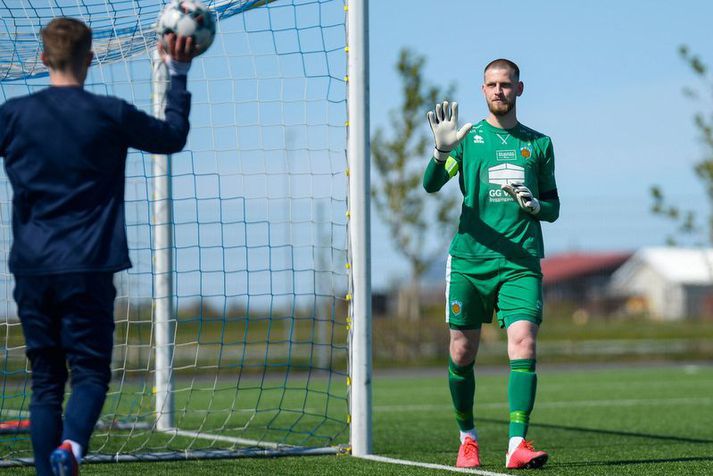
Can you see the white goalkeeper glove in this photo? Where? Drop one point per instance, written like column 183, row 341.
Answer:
column 523, row 196
column 444, row 124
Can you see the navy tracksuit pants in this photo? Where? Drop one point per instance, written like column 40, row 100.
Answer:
column 68, row 321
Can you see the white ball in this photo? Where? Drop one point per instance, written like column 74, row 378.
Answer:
column 187, row 18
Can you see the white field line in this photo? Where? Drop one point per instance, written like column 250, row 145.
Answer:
column 496, row 405
column 226, row 439
column 562, row 404
column 6, row 412
column 453, row 469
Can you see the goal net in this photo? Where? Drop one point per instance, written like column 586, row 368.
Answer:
column 232, row 327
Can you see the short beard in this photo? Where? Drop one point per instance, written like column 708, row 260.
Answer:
column 501, row 112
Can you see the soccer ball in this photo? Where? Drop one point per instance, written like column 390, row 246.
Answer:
column 187, row 18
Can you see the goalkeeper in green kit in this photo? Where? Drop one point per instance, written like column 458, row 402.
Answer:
column 506, row 174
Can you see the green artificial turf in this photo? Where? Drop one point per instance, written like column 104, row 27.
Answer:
column 606, row 421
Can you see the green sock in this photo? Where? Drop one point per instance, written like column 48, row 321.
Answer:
column 461, row 381
column 521, row 394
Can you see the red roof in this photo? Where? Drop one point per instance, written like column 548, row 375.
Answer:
column 576, row 265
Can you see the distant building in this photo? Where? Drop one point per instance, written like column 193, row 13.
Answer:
column 668, row 283
column 578, row 278
column 581, row 278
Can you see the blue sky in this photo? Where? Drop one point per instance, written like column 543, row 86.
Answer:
column 603, row 79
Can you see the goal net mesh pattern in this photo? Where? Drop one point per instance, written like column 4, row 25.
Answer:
column 260, row 255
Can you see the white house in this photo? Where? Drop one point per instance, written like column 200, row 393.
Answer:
column 671, row 283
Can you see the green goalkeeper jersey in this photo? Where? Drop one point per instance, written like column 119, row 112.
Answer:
column 491, row 222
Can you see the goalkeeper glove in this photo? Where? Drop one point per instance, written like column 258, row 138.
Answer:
column 523, row 196
column 444, row 124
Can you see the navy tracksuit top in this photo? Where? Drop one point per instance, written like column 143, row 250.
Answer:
column 65, row 154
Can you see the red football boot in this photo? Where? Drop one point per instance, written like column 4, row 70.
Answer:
column 525, row 457
column 468, row 454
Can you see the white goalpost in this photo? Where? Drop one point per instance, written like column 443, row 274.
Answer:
column 162, row 213
column 244, row 326
column 360, row 231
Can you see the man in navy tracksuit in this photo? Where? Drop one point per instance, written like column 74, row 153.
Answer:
column 65, row 153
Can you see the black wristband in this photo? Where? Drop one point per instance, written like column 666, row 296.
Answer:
column 442, row 151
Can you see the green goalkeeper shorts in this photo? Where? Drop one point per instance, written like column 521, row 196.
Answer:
column 476, row 288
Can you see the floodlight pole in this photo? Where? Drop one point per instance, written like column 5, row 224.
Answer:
column 162, row 246
column 359, row 156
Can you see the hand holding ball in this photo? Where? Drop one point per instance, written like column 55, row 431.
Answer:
column 186, row 18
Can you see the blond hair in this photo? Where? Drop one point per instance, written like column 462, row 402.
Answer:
column 504, row 63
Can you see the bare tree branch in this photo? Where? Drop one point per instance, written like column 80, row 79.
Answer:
column 399, row 158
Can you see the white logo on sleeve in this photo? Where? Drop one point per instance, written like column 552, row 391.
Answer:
column 478, row 139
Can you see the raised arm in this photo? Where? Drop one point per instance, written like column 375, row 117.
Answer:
column 145, row 132
column 447, row 138
column 438, row 173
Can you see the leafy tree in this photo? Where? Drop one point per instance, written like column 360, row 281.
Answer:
column 686, row 220
column 414, row 218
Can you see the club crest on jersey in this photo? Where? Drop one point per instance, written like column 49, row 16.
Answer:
column 478, row 139
column 526, row 152
column 456, row 308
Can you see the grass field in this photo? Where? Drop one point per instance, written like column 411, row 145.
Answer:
column 594, row 421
